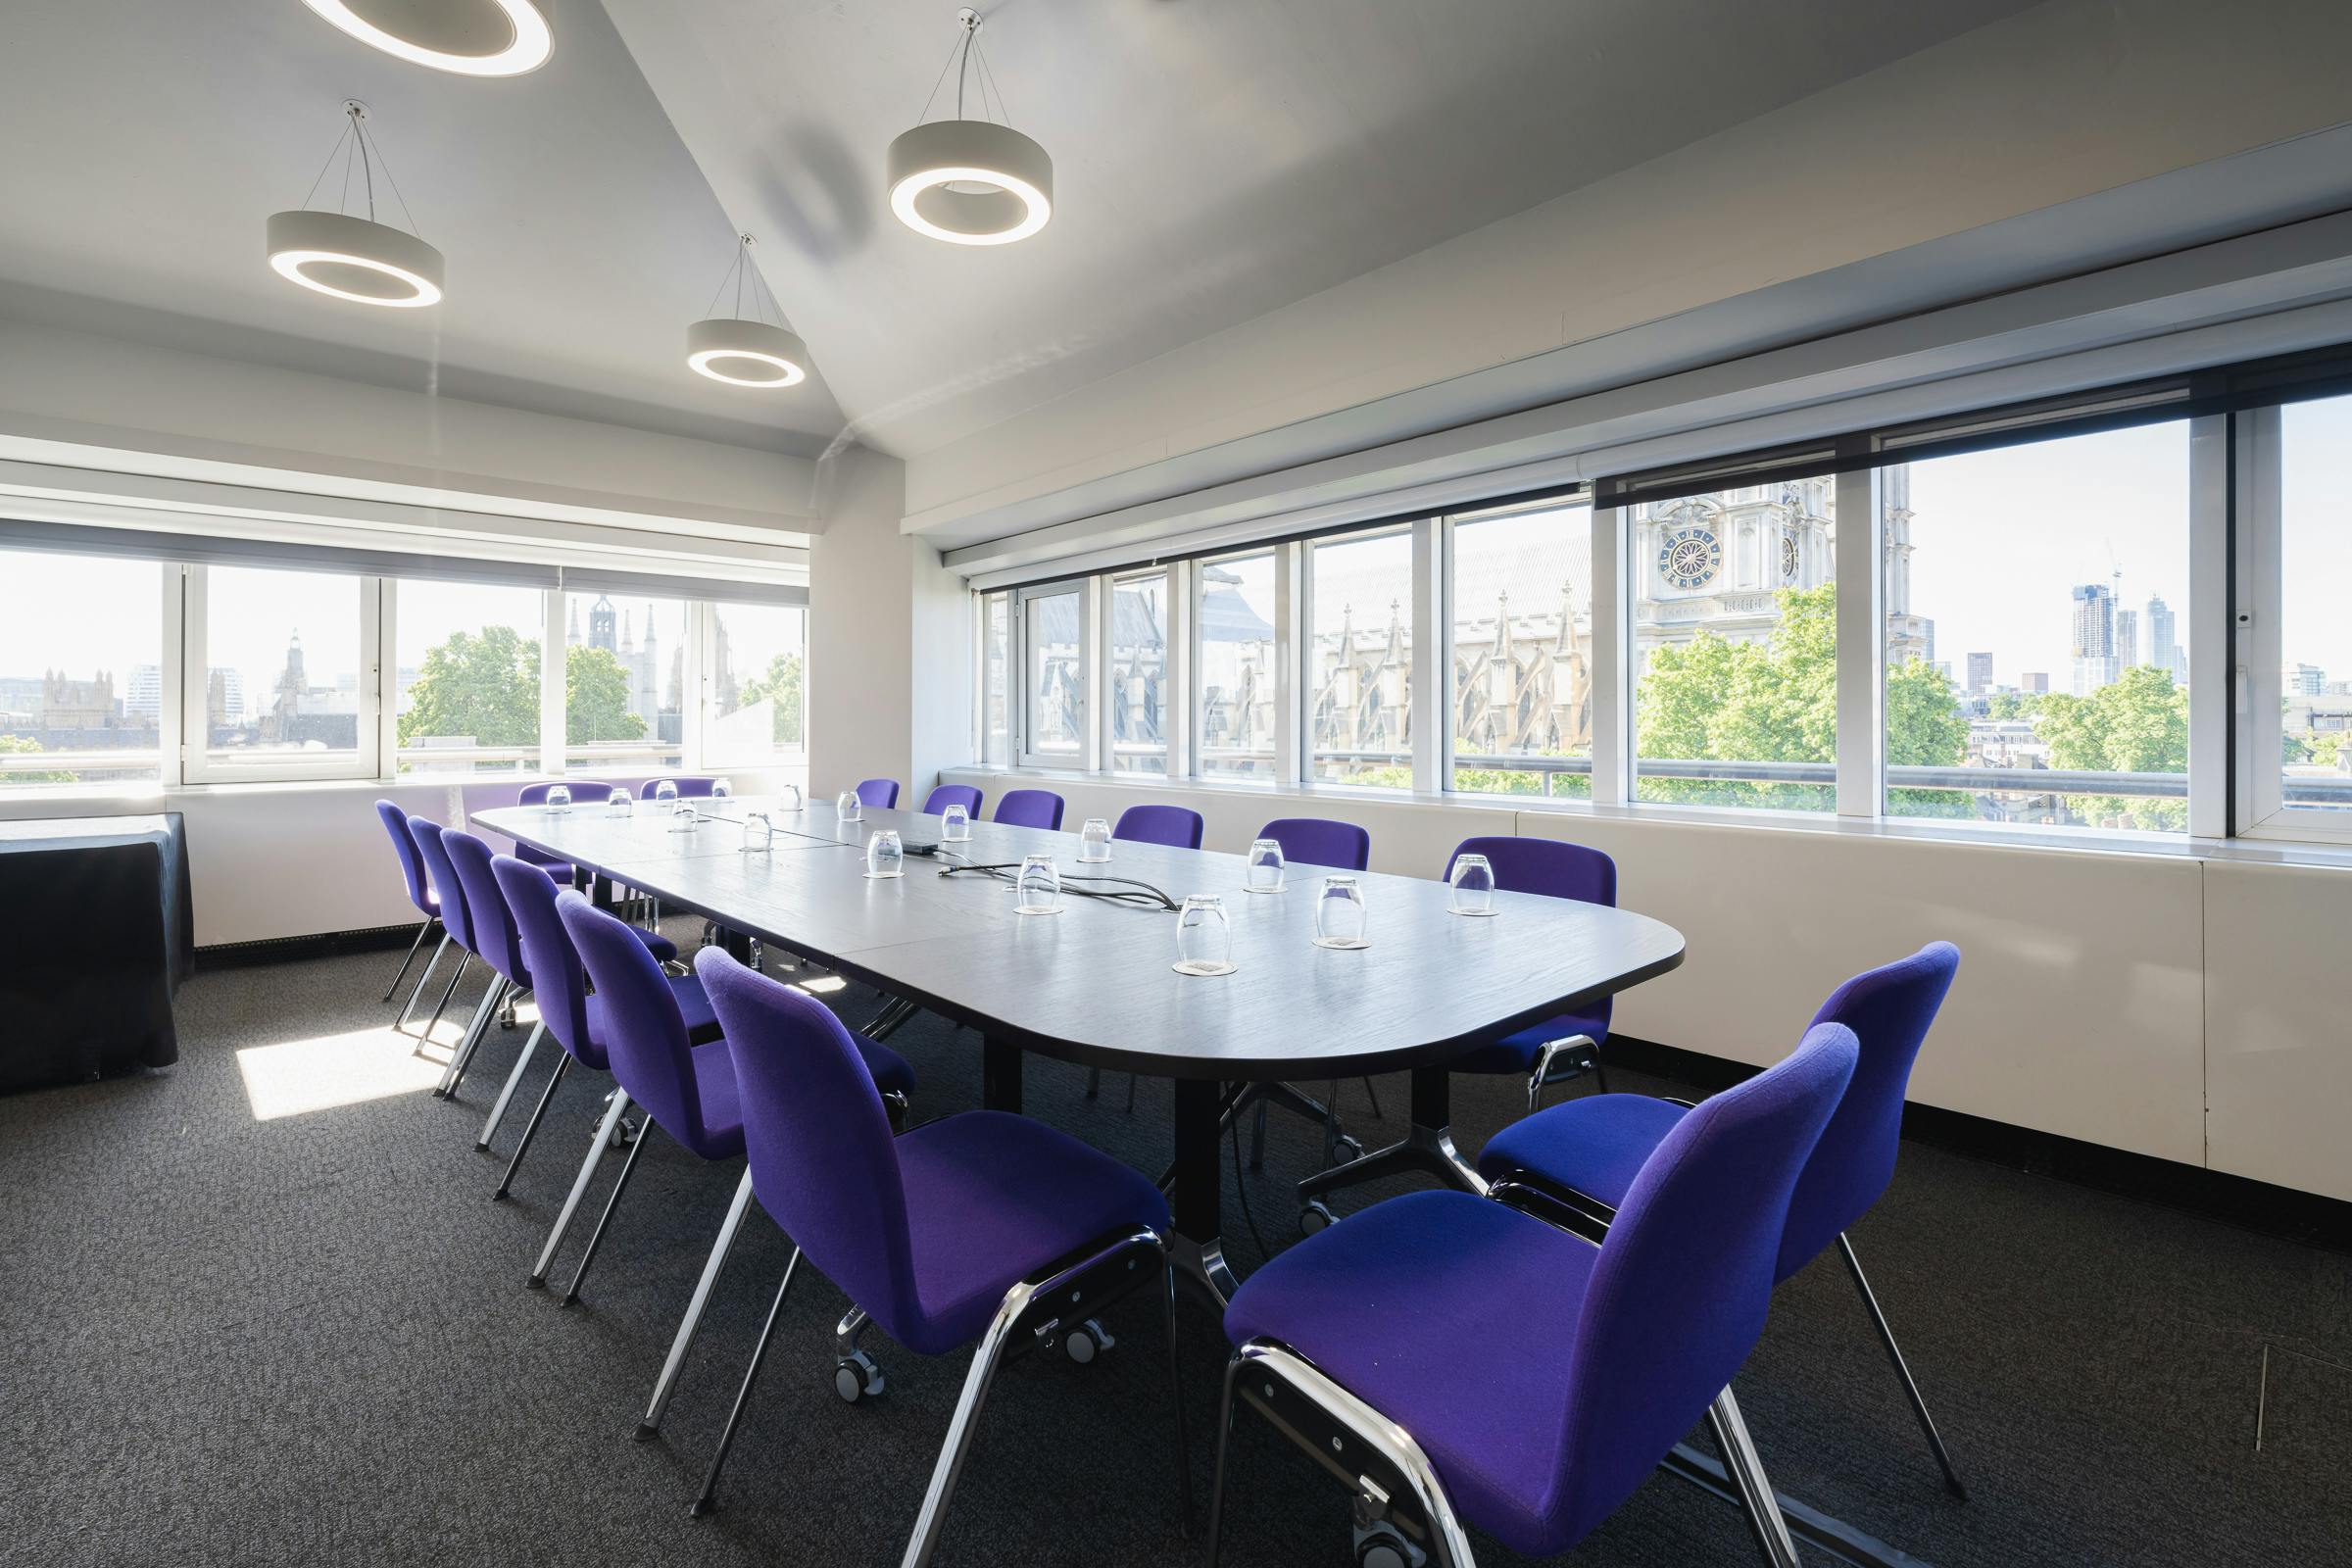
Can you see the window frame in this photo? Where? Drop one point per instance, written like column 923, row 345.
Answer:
column 1171, row 716
column 1087, row 756
column 702, row 617
column 196, row 764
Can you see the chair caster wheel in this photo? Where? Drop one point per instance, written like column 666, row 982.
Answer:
column 1346, row 1150
column 1085, row 1342
column 1383, row 1545
column 856, row 1377
column 1315, row 1216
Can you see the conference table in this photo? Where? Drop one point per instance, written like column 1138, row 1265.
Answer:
column 1096, row 984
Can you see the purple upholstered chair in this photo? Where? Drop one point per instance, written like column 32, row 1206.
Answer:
column 689, row 788
column 1353, row 1339
column 1572, row 1042
column 1592, row 1149
column 450, row 897
column 1030, row 808
column 422, row 895
column 980, row 1225
column 1344, row 847
column 879, row 793
column 562, row 872
column 1172, row 826
column 947, row 794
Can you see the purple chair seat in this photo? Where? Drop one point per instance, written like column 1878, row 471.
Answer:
column 989, row 1195
column 1384, row 1305
column 1516, row 1053
column 1594, row 1145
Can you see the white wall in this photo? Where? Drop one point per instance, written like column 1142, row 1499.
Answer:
column 2057, row 104
column 2189, row 1008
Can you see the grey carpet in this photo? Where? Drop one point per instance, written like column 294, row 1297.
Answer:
column 305, row 1339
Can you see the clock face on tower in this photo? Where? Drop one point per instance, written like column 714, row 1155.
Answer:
column 1689, row 556
column 1788, row 557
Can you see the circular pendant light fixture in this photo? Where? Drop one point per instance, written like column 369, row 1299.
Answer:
column 970, row 181
column 352, row 258
column 470, row 37
column 747, row 351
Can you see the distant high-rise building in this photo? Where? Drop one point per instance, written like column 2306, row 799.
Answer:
column 2094, row 639
column 2303, row 680
column 2036, row 681
column 1979, row 671
column 2127, row 639
column 143, row 692
column 2163, row 647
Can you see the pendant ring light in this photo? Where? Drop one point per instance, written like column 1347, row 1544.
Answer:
column 970, row 181
column 746, row 351
column 351, row 257
column 470, row 37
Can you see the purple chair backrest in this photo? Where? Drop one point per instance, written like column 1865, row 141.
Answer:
column 1889, row 1009
column 948, row 795
column 1029, row 808
column 644, row 1036
column 404, row 846
column 495, row 940
column 1677, row 1295
column 817, row 1139
column 1555, row 869
column 1318, row 841
column 1172, row 826
column 446, row 885
column 689, row 788
column 879, row 793
column 536, row 795
column 558, row 982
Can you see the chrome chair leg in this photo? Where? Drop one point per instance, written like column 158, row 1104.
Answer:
column 683, row 1342
column 506, row 1093
column 476, row 1032
column 977, row 1380
column 580, row 1188
column 423, row 979
column 1216, row 1483
column 530, row 1129
column 1746, row 1472
column 596, row 1237
column 465, row 962
column 1565, row 1046
column 743, row 1396
column 1902, row 1372
column 422, row 932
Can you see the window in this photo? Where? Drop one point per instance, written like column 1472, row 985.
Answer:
column 1054, row 672
column 753, row 683
column 1735, row 647
column 996, row 681
column 1521, row 590
column 81, row 671
column 1358, row 679
column 467, row 678
column 1239, row 697
column 290, row 685
column 2304, row 571
column 2036, row 601
column 623, row 682
column 1138, row 692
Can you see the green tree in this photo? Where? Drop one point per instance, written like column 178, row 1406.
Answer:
column 2140, row 725
column 781, row 682
column 480, row 684
column 596, row 697
column 23, row 745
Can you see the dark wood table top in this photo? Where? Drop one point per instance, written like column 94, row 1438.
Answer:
column 1096, row 983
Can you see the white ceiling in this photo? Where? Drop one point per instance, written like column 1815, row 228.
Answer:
column 1214, row 160
column 148, row 140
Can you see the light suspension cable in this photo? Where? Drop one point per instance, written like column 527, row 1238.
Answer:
column 746, row 351
column 970, row 181
column 352, row 258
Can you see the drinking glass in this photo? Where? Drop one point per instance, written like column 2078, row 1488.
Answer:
column 722, row 789
column 884, row 856
column 848, row 806
column 1203, row 936
column 788, row 798
column 1039, row 889
column 559, row 798
column 758, row 833
column 683, row 818
column 1473, row 885
column 1093, row 840
column 954, row 825
column 1263, row 872
column 665, row 793
column 621, row 803
column 1339, row 920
